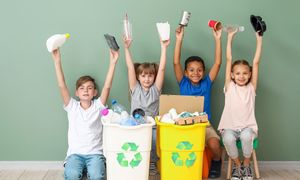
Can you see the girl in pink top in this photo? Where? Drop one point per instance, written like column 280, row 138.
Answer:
column 238, row 119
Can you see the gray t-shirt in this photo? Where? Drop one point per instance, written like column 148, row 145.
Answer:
column 146, row 100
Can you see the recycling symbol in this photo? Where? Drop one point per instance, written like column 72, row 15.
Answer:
column 137, row 157
column 190, row 160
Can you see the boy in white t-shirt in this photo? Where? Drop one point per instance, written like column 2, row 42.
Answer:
column 85, row 128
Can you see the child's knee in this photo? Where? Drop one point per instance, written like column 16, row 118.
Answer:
column 228, row 139
column 96, row 174
column 72, row 174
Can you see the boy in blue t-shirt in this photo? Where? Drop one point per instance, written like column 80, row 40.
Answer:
column 193, row 81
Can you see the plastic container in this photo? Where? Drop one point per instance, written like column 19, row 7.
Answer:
column 110, row 117
column 127, row 28
column 163, row 30
column 127, row 150
column 139, row 119
column 230, row 27
column 180, row 149
column 56, row 41
column 116, row 107
column 216, row 25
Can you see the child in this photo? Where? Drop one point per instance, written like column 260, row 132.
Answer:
column 193, row 81
column 145, row 84
column 85, row 128
column 238, row 120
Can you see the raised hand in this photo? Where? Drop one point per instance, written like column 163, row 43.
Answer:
column 56, row 55
column 232, row 32
column 127, row 42
column 114, row 56
column 165, row 44
column 217, row 33
column 179, row 32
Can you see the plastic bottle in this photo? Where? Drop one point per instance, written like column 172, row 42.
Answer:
column 110, row 117
column 127, row 120
column 230, row 27
column 127, row 28
column 56, row 41
column 116, row 107
column 139, row 119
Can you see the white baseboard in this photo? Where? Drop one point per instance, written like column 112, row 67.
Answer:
column 59, row 164
column 31, row 165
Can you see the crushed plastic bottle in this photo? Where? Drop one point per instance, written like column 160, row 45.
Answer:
column 56, row 41
column 233, row 27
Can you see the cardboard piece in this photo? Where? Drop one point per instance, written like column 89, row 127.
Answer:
column 183, row 103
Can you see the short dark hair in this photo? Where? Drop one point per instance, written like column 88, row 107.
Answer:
column 84, row 79
column 193, row 59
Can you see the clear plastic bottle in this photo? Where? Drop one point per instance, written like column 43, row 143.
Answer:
column 127, row 28
column 56, row 41
column 139, row 119
column 233, row 27
column 116, row 107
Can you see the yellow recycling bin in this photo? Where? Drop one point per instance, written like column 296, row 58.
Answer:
column 180, row 149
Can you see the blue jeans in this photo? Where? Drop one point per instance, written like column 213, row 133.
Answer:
column 76, row 164
column 246, row 136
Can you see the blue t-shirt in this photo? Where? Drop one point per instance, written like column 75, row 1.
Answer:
column 201, row 89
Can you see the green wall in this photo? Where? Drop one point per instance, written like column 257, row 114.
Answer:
column 33, row 124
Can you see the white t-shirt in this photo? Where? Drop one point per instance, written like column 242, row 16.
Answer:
column 85, row 128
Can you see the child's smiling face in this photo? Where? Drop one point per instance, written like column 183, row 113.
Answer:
column 241, row 74
column 194, row 72
column 146, row 80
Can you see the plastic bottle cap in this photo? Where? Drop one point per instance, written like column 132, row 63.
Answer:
column 113, row 101
column 137, row 116
column 67, row 35
column 104, row 112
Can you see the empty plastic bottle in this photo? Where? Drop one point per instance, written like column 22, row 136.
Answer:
column 139, row 119
column 56, row 41
column 233, row 27
column 110, row 117
column 127, row 120
column 116, row 107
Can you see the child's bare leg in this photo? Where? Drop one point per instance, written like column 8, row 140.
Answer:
column 214, row 145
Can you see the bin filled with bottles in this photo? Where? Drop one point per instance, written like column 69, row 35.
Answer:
column 126, row 142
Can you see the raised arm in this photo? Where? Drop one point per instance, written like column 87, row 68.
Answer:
column 64, row 91
column 256, row 60
column 162, row 64
column 213, row 73
column 177, row 53
column 114, row 55
column 130, row 66
column 229, row 57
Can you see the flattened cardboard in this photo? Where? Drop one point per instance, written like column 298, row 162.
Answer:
column 180, row 103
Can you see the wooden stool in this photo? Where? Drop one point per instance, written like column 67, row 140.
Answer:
column 239, row 146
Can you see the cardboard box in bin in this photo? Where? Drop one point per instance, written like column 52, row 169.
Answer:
column 181, row 104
